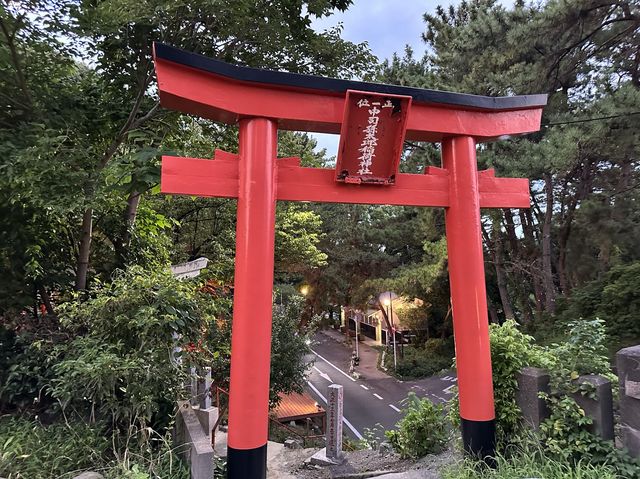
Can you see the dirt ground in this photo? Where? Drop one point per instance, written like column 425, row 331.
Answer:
column 295, row 464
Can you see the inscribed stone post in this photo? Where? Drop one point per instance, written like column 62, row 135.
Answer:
column 628, row 361
column 531, row 382
column 600, row 408
column 334, row 421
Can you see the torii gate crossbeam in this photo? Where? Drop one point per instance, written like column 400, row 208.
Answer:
column 262, row 102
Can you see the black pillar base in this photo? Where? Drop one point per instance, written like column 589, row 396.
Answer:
column 479, row 439
column 247, row 463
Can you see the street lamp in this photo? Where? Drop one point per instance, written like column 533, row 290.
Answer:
column 388, row 302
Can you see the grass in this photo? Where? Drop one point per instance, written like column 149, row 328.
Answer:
column 29, row 450
column 528, row 464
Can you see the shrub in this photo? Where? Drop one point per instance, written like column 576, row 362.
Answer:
column 419, row 362
column 119, row 366
column 423, row 429
column 29, row 450
column 511, row 350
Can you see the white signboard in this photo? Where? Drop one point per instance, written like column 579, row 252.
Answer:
column 190, row 269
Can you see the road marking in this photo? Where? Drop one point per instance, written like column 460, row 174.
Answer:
column 324, row 375
column 394, row 408
column 334, row 367
column 344, row 419
column 447, row 390
column 364, row 387
column 379, row 397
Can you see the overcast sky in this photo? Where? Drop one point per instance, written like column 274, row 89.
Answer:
column 387, row 26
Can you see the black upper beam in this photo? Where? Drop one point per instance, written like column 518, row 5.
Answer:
column 333, row 85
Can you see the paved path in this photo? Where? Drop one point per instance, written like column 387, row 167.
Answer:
column 373, row 398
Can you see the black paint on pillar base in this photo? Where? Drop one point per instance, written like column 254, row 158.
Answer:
column 479, row 439
column 247, row 463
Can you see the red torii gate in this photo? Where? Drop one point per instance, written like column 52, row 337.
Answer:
column 262, row 101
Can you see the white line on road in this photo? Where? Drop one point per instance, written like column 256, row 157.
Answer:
column 334, row 367
column 447, row 390
column 378, row 396
column 364, row 387
column 394, row 408
column 344, row 419
column 324, row 375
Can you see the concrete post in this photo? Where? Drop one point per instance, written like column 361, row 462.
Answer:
column 600, row 408
column 628, row 361
column 193, row 386
column 531, row 382
column 332, row 454
column 197, row 451
column 204, row 389
column 335, row 399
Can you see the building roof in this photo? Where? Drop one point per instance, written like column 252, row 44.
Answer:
column 297, row 406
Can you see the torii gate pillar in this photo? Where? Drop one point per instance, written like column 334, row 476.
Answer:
column 373, row 120
column 469, row 296
column 252, row 298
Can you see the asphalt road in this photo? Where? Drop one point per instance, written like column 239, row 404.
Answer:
column 373, row 399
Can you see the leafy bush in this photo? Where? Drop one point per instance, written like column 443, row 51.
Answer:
column 120, row 364
column 614, row 298
column 423, row 429
column 511, row 350
column 565, row 437
column 420, row 362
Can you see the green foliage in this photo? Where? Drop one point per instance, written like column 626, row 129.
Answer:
column 120, row 363
column 529, row 463
column 565, row 438
column 511, row 350
column 29, row 450
column 583, row 352
column 421, row 361
column 614, row 298
column 566, row 434
column 289, row 346
column 423, row 429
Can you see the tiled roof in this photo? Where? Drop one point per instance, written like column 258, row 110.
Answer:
column 297, row 406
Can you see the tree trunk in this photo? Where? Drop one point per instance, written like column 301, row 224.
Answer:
column 130, row 217
column 549, row 287
column 493, row 314
column 84, row 250
column 501, row 277
column 46, row 300
column 122, row 247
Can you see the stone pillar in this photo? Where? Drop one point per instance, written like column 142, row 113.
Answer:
column 600, row 408
column 207, row 415
column 193, row 386
column 531, row 382
column 332, row 454
column 204, row 389
column 628, row 361
column 335, row 399
column 193, row 442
